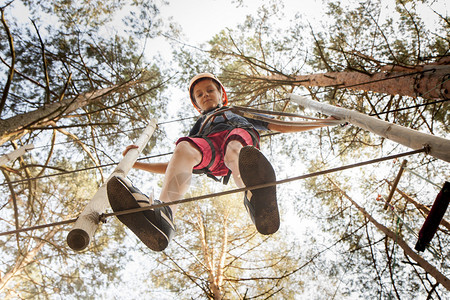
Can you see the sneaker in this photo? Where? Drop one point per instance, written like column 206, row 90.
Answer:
column 154, row 227
column 262, row 206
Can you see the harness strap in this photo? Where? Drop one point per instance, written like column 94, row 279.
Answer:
column 212, row 116
column 269, row 112
column 211, row 162
column 205, row 130
column 225, row 179
column 259, row 117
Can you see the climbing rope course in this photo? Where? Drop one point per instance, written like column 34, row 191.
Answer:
column 245, row 111
column 118, row 131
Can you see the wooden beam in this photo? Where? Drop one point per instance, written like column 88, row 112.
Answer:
column 438, row 147
column 86, row 225
column 394, row 185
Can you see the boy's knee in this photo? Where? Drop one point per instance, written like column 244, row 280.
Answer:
column 187, row 150
column 232, row 153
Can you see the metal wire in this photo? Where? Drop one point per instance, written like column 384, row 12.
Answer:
column 223, row 193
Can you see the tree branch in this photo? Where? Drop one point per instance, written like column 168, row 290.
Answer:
column 441, row 278
column 13, row 61
column 44, row 61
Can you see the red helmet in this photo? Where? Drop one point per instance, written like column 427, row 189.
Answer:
column 200, row 76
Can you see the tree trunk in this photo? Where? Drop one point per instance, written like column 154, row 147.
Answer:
column 223, row 253
column 216, row 293
column 429, row 81
column 430, row 269
column 17, row 126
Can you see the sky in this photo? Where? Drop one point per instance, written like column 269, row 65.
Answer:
column 202, row 19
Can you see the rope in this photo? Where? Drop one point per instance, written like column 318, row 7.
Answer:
column 421, row 177
column 79, row 170
column 233, row 191
column 255, row 115
column 408, row 107
column 289, row 123
column 269, row 112
column 343, row 86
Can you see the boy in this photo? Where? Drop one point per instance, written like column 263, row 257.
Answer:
column 220, row 143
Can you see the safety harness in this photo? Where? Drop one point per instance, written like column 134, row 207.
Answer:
column 226, row 118
column 218, row 120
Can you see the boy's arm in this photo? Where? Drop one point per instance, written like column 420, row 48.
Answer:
column 149, row 167
column 296, row 128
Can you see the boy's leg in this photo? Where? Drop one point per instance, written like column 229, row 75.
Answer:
column 179, row 172
column 155, row 227
column 231, row 160
column 262, row 204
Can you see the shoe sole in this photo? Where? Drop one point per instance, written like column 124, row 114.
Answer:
column 121, row 199
column 255, row 169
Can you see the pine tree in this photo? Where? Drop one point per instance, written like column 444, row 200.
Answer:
column 71, row 89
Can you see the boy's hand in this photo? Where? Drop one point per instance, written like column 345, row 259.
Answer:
column 128, row 148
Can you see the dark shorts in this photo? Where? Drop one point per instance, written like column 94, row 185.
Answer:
column 213, row 148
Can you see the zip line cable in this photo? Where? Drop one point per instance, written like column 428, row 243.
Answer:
column 193, row 117
column 408, row 107
column 80, row 170
column 228, row 192
column 117, row 132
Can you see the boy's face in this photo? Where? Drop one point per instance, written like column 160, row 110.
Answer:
column 207, row 95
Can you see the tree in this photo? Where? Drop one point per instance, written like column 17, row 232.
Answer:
column 337, row 251
column 67, row 83
column 441, row 278
column 261, row 62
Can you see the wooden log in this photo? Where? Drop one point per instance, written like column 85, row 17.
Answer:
column 394, row 185
column 15, row 154
column 431, row 223
column 86, row 225
column 438, row 147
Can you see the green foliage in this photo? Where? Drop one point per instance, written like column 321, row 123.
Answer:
column 364, row 40
column 85, row 14
column 70, row 49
